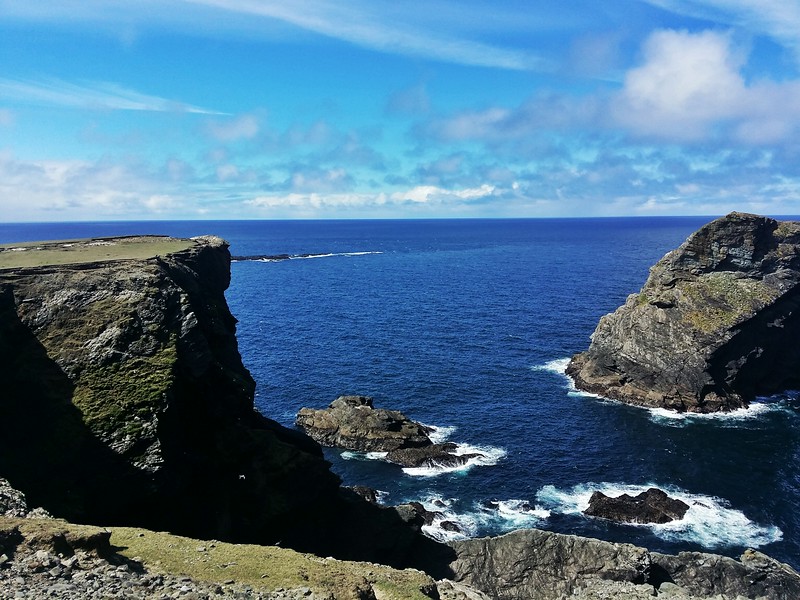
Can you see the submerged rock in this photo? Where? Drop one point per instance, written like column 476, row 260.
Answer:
column 352, row 423
column 715, row 324
column 651, row 506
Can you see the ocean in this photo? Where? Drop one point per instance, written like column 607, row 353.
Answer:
column 466, row 326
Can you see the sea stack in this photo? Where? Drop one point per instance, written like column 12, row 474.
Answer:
column 715, row 325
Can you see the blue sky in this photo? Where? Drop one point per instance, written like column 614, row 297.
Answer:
column 209, row 109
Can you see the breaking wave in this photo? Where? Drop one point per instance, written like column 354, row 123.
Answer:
column 486, row 455
column 282, row 257
column 500, row 515
column 710, row 521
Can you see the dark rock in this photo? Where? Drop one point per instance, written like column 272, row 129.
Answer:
column 532, row 564
column 352, row 423
column 128, row 371
column 435, row 455
column 451, row 526
column 367, row 493
column 714, row 325
column 651, row 506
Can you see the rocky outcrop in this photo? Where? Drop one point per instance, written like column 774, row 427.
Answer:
column 126, row 402
column 714, row 325
column 539, row 565
column 651, row 506
column 352, row 423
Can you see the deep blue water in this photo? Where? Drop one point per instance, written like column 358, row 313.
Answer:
column 465, row 325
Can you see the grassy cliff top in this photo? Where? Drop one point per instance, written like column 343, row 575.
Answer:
column 65, row 252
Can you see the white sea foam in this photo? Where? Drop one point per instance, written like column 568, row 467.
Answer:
column 559, row 367
column 500, row 515
column 486, row 456
column 664, row 416
column 330, row 254
column 439, row 435
column 353, row 455
column 710, row 521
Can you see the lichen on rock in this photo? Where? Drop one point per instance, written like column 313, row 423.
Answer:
column 713, row 326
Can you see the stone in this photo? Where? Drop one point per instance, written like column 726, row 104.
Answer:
column 434, row 455
column 713, row 327
column 352, row 423
column 651, row 506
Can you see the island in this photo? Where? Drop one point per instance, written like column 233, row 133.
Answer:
column 715, row 325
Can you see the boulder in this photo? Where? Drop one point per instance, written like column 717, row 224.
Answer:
column 651, row 506
column 352, row 423
column 714, row 325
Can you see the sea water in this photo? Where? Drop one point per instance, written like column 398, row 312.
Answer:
column 467, row 326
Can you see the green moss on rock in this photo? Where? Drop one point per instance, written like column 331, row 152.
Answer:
column 120, row 395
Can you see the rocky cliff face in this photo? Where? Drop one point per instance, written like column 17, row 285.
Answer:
column 540, row 565
column 126, row 402
column 715, row 324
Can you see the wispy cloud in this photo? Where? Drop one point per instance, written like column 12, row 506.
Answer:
column 91, row 95
column 380, row 26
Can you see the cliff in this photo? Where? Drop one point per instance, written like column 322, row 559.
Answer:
column 714, row 325
column 126, row 402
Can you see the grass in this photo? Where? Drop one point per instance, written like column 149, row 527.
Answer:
column 265, row 568
column 39, row 254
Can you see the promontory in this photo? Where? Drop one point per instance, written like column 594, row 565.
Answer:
column 715, row 325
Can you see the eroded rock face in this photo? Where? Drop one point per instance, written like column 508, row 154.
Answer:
column 714, row 325
column 539, row 565
column 651, row 506
column 125, row 401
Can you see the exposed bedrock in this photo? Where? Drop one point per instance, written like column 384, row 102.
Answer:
column 715, row 324
column 539, row 565
column 125, row 401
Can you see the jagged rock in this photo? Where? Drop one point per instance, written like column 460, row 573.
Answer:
column 539, row 565
column 532, row 564
column 651, row 506
column 714, row 325
column 125, row 401
column 702, row 575
column 435, row 455
column 352, row 423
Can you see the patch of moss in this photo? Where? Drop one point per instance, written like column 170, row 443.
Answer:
column 264, row 567
column 113, row 396
column 720, row 300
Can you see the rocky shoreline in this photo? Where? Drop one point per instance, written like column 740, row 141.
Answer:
column 126, row 369
column 714, row 325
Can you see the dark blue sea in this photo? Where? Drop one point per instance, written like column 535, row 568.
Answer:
column 466, row 325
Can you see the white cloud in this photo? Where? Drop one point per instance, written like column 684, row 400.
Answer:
column 90, row 95
column 427, row 194
column 690, row 88
column 242, row 127
column 779, row 19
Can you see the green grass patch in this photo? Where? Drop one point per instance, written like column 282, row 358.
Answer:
column 39, row 254
column 264, row 567
column 720, row 300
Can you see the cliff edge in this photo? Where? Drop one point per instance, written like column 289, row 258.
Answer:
column 715, row 324
column 126, row 403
